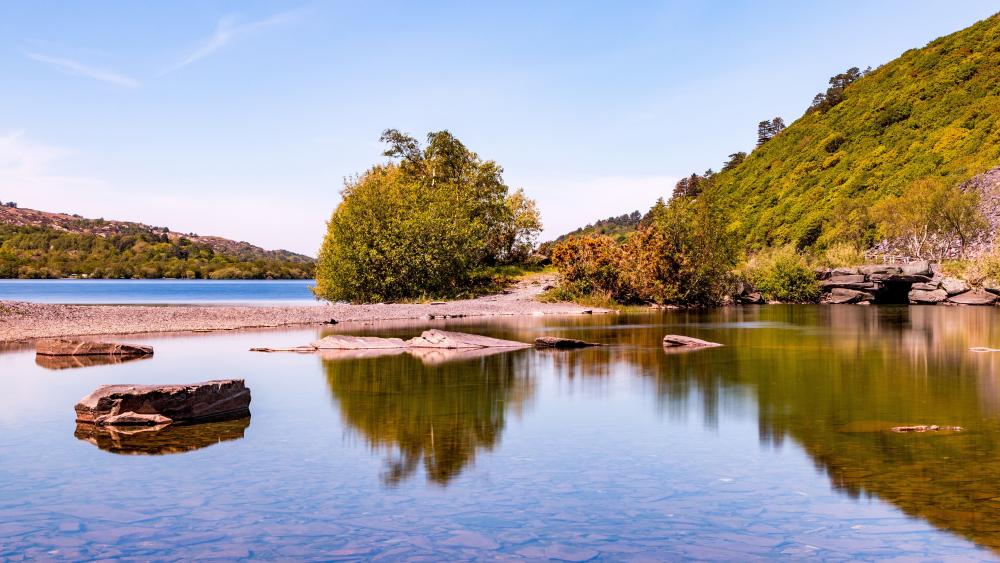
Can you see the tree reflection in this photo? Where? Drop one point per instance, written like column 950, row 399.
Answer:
column 436, row 414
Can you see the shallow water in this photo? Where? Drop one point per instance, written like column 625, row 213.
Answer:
column 160, row 292
column 772, row 446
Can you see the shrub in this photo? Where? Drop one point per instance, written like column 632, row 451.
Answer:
column 589, row 265
column 842, row 255
column 782, row 274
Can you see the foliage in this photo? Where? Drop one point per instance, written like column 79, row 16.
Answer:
column 933, row 112
column 427, row 224
column 841, row 255
column 44, row 252
column 616, row 227
column 680, row 254
column 929, row 215
column 823, row 102
column 767, row 130
column 782, row 274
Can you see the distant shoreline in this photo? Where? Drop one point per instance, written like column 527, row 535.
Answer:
column 22, row 321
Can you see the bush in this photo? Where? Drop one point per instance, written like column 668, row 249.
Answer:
column 842, row 255
column 428, row 225
column 782, row 274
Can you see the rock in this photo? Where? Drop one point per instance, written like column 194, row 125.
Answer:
column 455, row 340
column 879, row 269
column 898, row 278
column 562, row 343
column 992, row 287
column 678, row 341
column 954, row 286
column 927, row 297
column 847, row 278
column 66, row 347
column 974, row 297
column 926, row 428
column 844, row 272
column 924, row 286
column 919, row 268
column 346, row 342
column 840, row 296
column 832, row 284
column 153, row 405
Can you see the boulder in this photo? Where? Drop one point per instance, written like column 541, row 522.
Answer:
column 833, row 284
column 954, row 286
column 456, row 340
column 992, row 287
column 678, row 341
column 974, row 297
column 841, row 296
column 898, row 278
column 562, row 343
column 925, row 297
column 847, row 278
column 750, row 298
column 844, row 272
column 66, row 347
column 154, row 405
column 879, row 269
column 929, row 286
column 918, row 268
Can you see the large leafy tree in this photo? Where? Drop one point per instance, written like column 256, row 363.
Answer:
column 422, row 225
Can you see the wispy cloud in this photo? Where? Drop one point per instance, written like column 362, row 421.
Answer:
column 227, row 31
column 77, row 68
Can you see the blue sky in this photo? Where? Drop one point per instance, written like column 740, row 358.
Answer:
column 241, row 119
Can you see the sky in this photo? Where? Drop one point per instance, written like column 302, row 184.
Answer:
column 242, row 118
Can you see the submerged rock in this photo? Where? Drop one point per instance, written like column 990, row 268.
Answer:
column 154, row 405
column 66, row 347
column 678, row 341
column 926, row 428
column 562, row 343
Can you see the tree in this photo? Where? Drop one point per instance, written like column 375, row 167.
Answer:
column 931, row 216
column 766, row 130
column 822, row 102
column 735, row 160
column 424, row 224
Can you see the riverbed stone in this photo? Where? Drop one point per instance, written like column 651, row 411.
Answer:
column 954, row 286
column 562, row 343
column 841, row 296
column 925, row 297
column 974, row 297
column 68, row 347
column 154, row 405
column 679, row 341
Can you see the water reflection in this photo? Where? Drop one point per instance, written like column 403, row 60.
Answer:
column 172, row 439
column 70, row 362
column 434, row 414
column 850, row 368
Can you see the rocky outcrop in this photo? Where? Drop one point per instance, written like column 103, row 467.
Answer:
column 678, row 341
column 66, row 347
column 915, row 283
column 154, row 405
column 562, row 343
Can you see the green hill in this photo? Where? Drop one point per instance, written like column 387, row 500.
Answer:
column 934, row 111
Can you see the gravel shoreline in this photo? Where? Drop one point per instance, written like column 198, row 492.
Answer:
column 21, row 321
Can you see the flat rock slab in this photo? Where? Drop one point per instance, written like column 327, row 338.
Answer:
column 841, row 296
column 562, row 343
column 974, row 297
column 678, row 341
column 154, row 405
column 433, row 338
column 927, row 297
column 66, row 347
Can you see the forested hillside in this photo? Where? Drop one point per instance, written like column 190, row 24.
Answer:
column 37, row 244
column 933, row 112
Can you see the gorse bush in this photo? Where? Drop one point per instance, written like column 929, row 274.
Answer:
column 427, row 224
column 782, row 274
column 680, row 254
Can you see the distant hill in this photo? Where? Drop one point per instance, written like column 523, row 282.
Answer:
column 40, row 244
column 617, row 227
column 934, row 111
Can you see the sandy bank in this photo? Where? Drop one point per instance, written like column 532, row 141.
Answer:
column 25, row 321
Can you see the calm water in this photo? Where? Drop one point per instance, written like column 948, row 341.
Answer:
column 769, row 447
column 278, row 292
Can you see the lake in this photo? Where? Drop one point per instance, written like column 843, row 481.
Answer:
column 157, row 292
column 773, row 446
